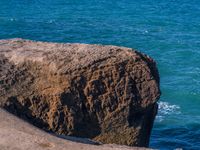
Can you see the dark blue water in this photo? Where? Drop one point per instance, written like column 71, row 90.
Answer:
column 167, row 30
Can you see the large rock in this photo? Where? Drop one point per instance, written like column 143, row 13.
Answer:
column 105, row 93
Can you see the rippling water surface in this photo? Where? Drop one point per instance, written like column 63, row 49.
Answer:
column 167, row 30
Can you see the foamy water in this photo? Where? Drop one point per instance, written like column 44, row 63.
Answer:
column 165, row 109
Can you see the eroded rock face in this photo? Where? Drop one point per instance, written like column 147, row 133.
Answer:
column 105, row 93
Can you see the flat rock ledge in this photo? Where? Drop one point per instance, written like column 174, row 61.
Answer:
column 16, row 134
column 105, row 93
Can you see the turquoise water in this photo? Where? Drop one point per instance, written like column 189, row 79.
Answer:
column 167, row 30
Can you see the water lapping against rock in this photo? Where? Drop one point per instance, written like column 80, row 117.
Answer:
column 175, row 129
column 165, row 110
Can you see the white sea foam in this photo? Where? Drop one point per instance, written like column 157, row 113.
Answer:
column 166, row 109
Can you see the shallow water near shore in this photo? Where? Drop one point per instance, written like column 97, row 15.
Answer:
column 167, row 30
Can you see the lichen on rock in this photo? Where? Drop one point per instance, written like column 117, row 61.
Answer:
column 106, row 93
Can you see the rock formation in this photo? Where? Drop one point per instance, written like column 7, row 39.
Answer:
column 28, row 137
column 105, row 93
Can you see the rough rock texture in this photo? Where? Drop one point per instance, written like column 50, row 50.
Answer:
column 28, row 137
column 105, row 93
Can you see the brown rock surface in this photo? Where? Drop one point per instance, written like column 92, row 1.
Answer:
column 105, row 93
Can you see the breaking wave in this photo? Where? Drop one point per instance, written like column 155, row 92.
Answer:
column 166, row 109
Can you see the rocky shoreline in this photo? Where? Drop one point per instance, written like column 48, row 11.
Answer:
column 105, row 93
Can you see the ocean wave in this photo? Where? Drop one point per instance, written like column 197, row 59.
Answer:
column 166, row 109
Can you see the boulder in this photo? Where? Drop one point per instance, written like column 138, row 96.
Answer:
column 105, row 93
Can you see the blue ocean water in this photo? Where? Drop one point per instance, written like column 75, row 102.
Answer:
column 167, row 30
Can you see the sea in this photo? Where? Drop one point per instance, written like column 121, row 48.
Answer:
column 166, row 30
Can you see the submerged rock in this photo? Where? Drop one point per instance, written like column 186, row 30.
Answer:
column 105, row 93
